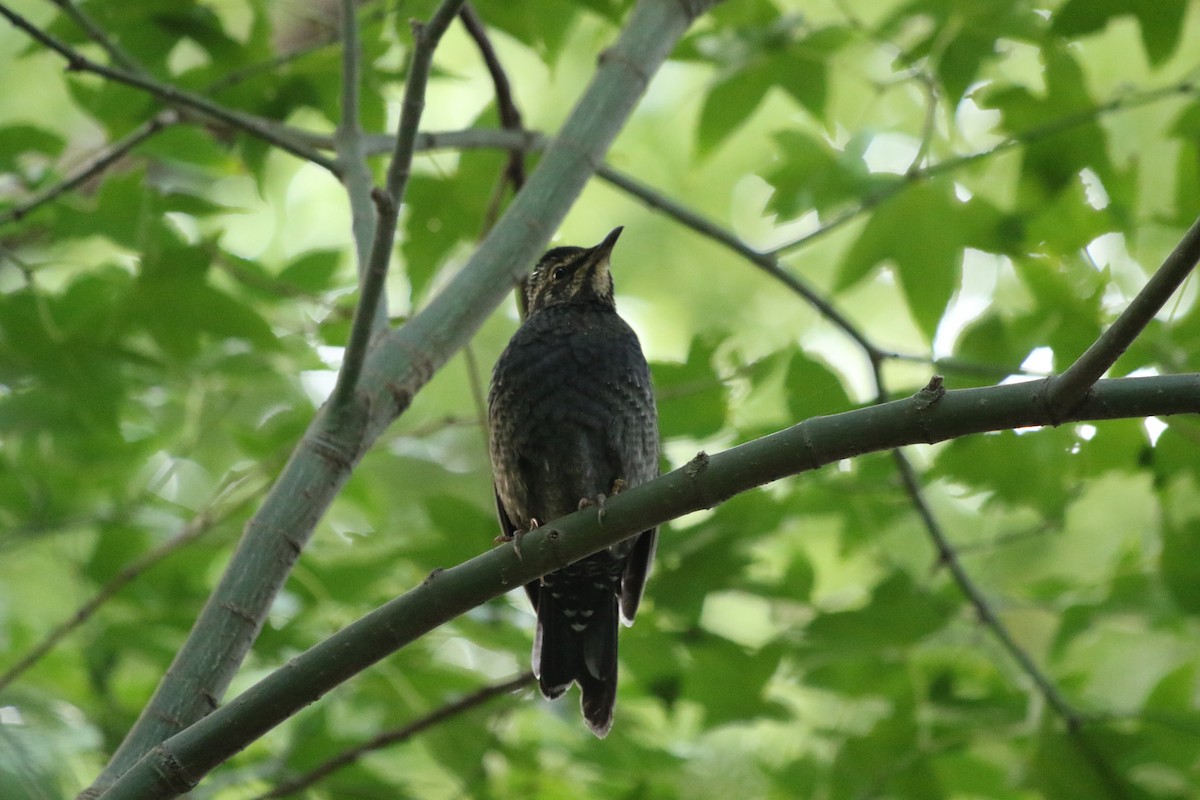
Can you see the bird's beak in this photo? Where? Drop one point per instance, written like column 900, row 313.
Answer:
column 598, row 265
column 604, row 249
column 602, row 253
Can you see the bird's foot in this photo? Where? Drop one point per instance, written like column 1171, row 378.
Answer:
column 516, row 536
column 599, row 500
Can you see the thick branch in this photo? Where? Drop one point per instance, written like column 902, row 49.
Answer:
column 703, row 483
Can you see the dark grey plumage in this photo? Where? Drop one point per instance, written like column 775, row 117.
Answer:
column 572, row 417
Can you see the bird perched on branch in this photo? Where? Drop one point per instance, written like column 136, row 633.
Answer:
column 572, row 419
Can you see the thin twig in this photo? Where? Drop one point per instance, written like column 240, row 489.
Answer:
column 198, row 526
column 272, row 65
column 478, row 396
column 352, row 157
column 387, row 201
column 113, row 153
column 929, row 128
column 949, row 558
column 171, row 94
column 446, row 712
column 85, row 172
column 506, row 107
column 469, row 139
column 510, row 119
column 766, row 262
column 1065, row 390
column 1032, row 136
column 98, row 35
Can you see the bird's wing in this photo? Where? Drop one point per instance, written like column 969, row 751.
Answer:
column 637, row 569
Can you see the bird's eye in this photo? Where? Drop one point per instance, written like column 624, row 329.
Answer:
column 559, row 273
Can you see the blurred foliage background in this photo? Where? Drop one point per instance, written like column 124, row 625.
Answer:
column 976, row 187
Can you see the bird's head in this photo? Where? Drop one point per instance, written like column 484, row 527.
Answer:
column 573, row 275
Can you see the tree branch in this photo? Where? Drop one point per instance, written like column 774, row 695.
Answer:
column 1032, row 136
column 271, row 65
column 171, row 94
column 348, row 142
column 180, row 762
column 766, row 262
column 948, row 558
column 374, row 144
column 387, row 202
column 510, row 119
column 85, row 172
column 395, row 369
column 506, row 106
column 98, row 35
column 1066, row 389
column 387, row 738
column 203, row 522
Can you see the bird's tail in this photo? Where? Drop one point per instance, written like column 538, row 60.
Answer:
column 577, row 643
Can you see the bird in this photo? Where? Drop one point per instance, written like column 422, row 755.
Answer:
column 573, row 421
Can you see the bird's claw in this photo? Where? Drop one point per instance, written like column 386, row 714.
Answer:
column 599, row 500
column 515, row 537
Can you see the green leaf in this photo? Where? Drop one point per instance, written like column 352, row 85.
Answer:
column 692, row 398
column 1053, row 159
column 1174, row 692
column 898, row 614
column 729, row 104
column 813, row 389
column 173, row 301
column 728, row 681
column 800, row 71
column 964, row 37
column 923, row 231
column 1079, row 766
column 544, row 28
column 313, row 271
column 1179, row 559
column 116, row 547
column 1038, row 467
column 812, row 174
column 461, row 529
column 18, row 140
column 445, row 212
column 1161, row 21
column 887, row 755
column 713, row 557
column 995, row 342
